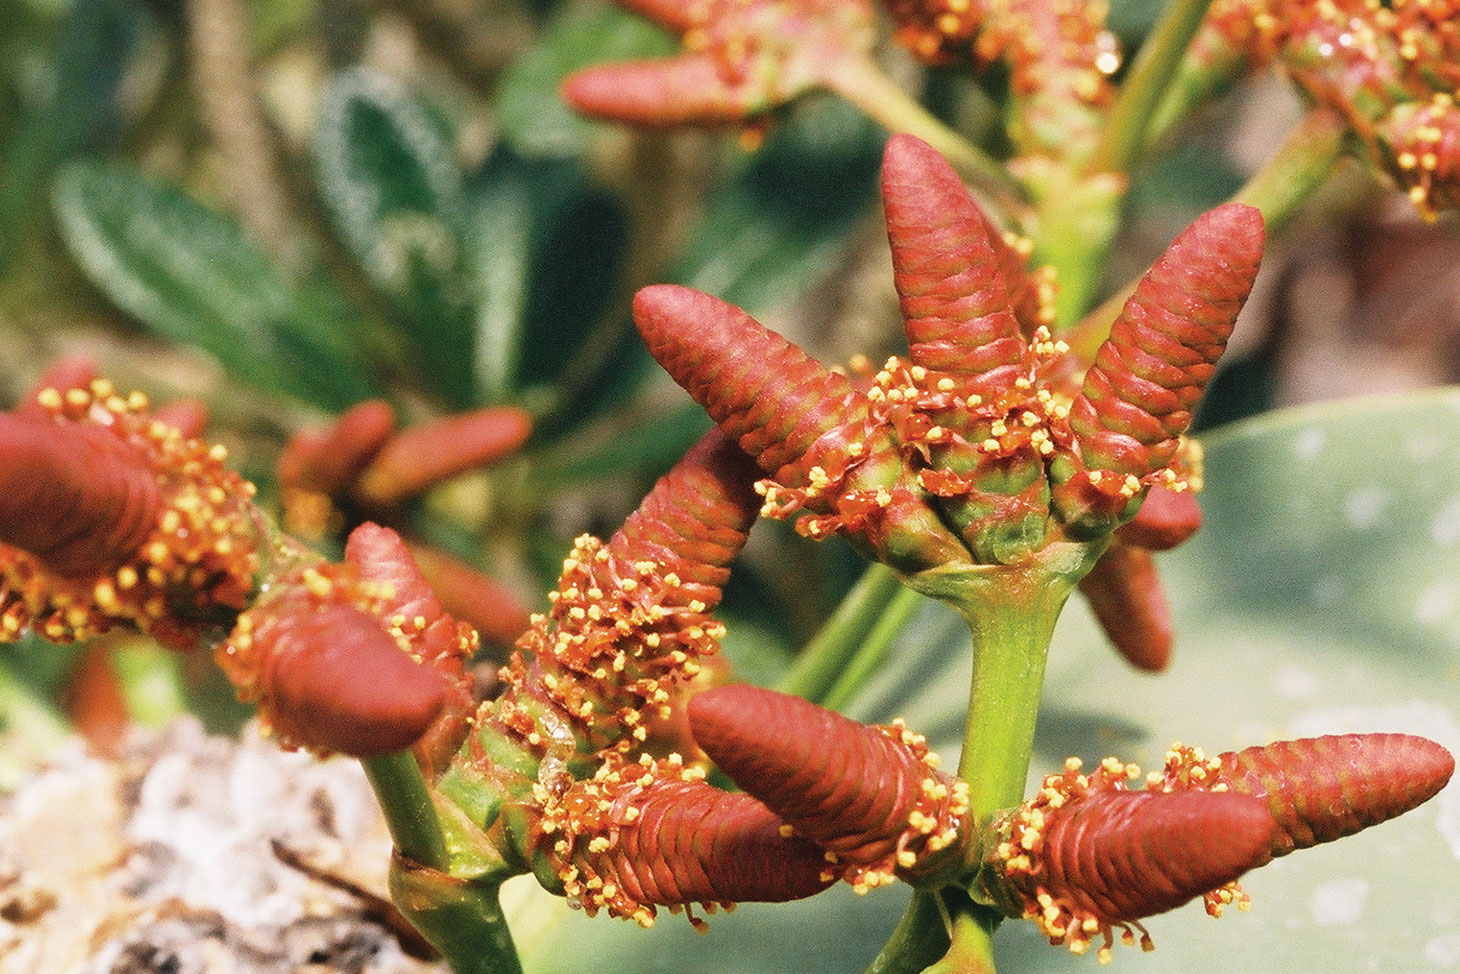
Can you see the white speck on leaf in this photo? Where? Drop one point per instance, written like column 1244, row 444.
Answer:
column 1436, row 602
column 1444, row 951
column 1339, row 902
column 1445, row 526
column 1365, row 507
column 1309, row 444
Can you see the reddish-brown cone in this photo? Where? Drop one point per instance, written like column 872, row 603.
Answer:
column 1104, row 861
column 695, row 524
column 412, row 614
column 407, row 603
column 950, row 280
column 328, row 460
column 770, row 397
column 691, row 89
column 870, row 795
column 1139, row 395
column 1086, row 857
column 629, row 621
column 334, row 664
column 1166, row 519
column 109, row 515
column 489, row 606
column 77, row 497
column 1321, row 788
column 414, row 459
column 1125, row 594
column 339, row 683
column 1127, row 855
column 742, row 59
column 652, row 833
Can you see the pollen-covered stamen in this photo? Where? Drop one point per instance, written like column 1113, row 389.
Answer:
column 937, row 31
column 1321, row 788
column 629, row 620
column 639, row 835
column 152, row 529
column 607, row 653
column 1168, row 516
column 1088, row 858
column 1421, row 143
column 983, row 455
column 872, row 797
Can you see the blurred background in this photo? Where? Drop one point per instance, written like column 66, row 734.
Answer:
column 283, row 208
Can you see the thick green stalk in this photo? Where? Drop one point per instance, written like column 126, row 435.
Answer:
column 972, row 948
column 1011, row 636
column 822, row 665
column 886, row 103
column 410, row 815
column 1286, row 181
column 1150, row 76
column 1300, row 166
column 461, row 918
column 920, row 939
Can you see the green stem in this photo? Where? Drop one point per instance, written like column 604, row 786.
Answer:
column 874, row 649
column 410, row 815
column 886, row 103
column 1011, row 635
column 972, row 949
column 920, row 939
column 1150, row 76
column 1300, row 166
column 461, row 918
column 822, row 665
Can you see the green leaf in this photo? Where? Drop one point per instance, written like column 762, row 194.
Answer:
column 387, row 176
column 191, row 276
column 499, row 263
column 59, row 104
column 1321, row 596
column 533, row 118
column 643, row 448
column 547, row 247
